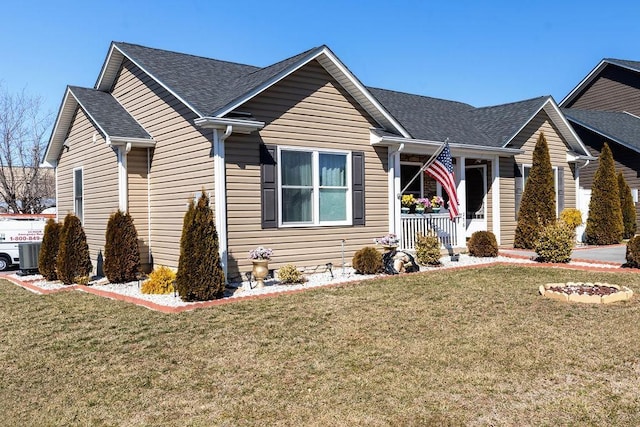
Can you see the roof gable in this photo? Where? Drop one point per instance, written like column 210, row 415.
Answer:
column 619, row 127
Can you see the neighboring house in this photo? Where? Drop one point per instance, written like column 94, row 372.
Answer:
column 298, row 156
column 605, row 107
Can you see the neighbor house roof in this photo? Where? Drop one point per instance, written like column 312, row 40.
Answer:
column 620, row 127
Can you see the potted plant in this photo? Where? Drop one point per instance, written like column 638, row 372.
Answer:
column 408, row 202
column 260, row 257
column 436, row 203
column 389, row 241
column 422, row 204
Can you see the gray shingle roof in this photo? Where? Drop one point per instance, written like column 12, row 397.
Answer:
column 501, row 122
column 108, row 113
column 206, row 84
column 618, row 126
column 634, row 65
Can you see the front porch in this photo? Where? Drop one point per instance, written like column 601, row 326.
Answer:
column 413, row 224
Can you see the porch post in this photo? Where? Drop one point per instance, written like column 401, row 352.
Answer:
column 495, row 196
column 461, row 230
column 395, row 225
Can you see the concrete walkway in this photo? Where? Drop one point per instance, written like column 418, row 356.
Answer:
column 609, row 254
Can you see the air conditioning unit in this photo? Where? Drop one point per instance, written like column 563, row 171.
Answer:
column 28, row 253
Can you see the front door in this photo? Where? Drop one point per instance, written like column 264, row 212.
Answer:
column 476, row 185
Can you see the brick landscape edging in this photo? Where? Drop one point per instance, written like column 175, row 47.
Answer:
column 197, row 305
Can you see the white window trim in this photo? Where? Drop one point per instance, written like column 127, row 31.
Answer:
column 315, row 152
column 421, row 177
column 555, row 182
column 81, row 216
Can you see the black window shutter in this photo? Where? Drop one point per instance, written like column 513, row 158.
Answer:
column 269, row 186
column 560, row 189
column 519, row 178
column 357, row 190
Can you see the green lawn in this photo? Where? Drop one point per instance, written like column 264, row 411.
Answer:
column 471, row 347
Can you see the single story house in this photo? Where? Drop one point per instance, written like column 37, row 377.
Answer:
column 298, row 156
column 605, row 107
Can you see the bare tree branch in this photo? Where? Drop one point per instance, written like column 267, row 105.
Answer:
column 25, row 186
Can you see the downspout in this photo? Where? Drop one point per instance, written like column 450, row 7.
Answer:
column 149, row 205
column 220, row 193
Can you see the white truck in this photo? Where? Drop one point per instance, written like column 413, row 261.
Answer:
column 15, row 230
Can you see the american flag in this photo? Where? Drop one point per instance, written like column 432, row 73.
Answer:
column 441, row 169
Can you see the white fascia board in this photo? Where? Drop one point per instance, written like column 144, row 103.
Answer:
column 567, row 126
column 606, row 135
column 135, row 142
column 526, row 122
column 457, row 149
column 157, row 80
column 93, row 120
column 55, row 139
column 324, row 51
column 105, row 67
column 592, row 75
column 239, row 125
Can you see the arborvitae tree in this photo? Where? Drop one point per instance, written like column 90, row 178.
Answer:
column 73, row 254
column 538, row 204
column 628, row 208
column 604, row 224
column 121, row 252
column 49, row 250
column 200, row 276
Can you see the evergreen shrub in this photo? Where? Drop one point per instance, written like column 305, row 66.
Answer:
column 555, row 243
column 604, row 223
column 200, row 276
column 160, row 281
column 121, row 252
column 633, row 252
column 367, row 261
column 483, row 244
column 628, row 208
column 572, row 217
column 73, row 261
column 49, row 250
column 428, row 248
column 538, row 203
column 290, row 274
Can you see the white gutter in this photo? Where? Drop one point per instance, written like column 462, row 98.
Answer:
column 238, row 125
column 456, row 148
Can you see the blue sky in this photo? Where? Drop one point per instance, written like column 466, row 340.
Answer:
column 482, row 53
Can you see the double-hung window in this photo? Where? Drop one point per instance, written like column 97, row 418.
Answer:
column 315, row 187
column 78, row 193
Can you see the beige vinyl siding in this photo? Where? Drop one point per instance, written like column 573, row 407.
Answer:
column 308, row 109
column 526, row 140
column 181, row 162
column 138, row 200
column 100, row 180
column 614, row 89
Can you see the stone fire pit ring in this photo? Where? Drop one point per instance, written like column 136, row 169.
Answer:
column 586, row 292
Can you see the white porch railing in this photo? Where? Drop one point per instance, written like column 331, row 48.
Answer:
column 413, row 224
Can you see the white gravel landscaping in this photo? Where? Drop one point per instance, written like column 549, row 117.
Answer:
column 272, row 286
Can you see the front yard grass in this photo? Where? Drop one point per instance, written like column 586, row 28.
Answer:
column 472, row 347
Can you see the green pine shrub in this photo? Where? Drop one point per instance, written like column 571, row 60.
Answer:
column 483, row 244
column 555, row 243
column 604, row 223
column 160, row 281
column 538, row 204
column 121, row 252
column 200, row 276
column 367, row 261
column 73, row 261
column 289, row 274
column 572, row 217
column 428, row 249
column 628, row 208
column 49, row 250
column 633, row 252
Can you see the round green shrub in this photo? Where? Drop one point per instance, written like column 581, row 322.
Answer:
column 428, row 249
column 483, row 244
column 290, row 274
column 572, row 217
column 633, row 252
column 555, row 243
column 367, row 261
column 160, row 281
column 49, row 250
